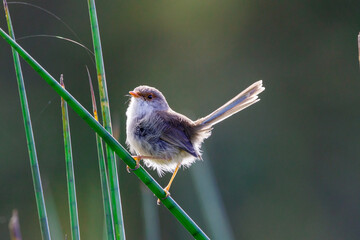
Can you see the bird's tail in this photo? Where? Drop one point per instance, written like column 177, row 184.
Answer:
column 243, row 100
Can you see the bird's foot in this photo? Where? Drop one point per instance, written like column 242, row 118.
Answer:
column 167, row 188
column 167, row 195
column 137, row 159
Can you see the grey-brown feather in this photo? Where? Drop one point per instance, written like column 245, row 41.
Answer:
column 241, row 101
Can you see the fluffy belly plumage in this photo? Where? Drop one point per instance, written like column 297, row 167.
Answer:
column 165, row 156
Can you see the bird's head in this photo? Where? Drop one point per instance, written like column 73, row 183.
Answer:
column 148, row 99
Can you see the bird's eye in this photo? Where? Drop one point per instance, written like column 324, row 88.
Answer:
column 150, row 96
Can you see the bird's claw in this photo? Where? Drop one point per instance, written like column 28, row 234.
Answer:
column 167, row 195
column 137, row 159
column 129, row 170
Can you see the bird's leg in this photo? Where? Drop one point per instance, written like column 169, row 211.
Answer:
column 138, row 159
column 167, row 188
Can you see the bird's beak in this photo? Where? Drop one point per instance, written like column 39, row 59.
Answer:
column 134, row 94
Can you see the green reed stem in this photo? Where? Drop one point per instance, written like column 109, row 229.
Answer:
column 103, row 176
column 70, row 176
column 105, row 110
column 141, row 173
column 35, row 171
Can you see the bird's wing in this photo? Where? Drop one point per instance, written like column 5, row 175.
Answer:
column 175, row 132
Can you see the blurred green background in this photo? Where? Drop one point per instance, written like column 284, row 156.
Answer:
column 286, row 168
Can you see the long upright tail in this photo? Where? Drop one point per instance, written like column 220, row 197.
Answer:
column 243, row 100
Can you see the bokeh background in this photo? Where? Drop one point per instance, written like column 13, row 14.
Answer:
column 286, row 168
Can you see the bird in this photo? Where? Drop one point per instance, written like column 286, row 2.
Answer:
column 166, row 140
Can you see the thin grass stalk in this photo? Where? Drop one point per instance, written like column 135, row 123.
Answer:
column 151, row 215
column 53, row 214
column 141, row 173
column 109, row 224
column 105, row 110
column 35, row 171
column 14, row 226
column 359, row 48
column 211, row 203
column 70, row 176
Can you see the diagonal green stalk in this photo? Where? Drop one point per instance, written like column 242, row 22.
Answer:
column 141, row 173
column 105, row 110
column 35, row 171
column 103, row 176
column 70, row 176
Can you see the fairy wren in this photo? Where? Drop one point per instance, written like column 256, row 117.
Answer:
column 165, row 139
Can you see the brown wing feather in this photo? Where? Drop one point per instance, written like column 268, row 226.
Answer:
column 178, row 131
